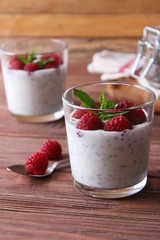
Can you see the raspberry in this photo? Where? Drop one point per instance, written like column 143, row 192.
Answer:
column 90, row 121
column 52, row 149
column 78, row 113
column 124, row 104
column 15, row 63
column 57, row 60
column 37, row 163
column 51, row 65
column 136, row 116
column 30, row 67
column 98, row 103
column 118, row 123
column 46, row 56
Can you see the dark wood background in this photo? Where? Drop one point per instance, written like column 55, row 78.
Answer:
column 70, row 18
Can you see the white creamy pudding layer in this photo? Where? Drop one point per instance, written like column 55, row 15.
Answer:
column 109, row 160
column 34, row 93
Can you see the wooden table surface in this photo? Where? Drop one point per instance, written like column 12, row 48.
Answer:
column 53, row 208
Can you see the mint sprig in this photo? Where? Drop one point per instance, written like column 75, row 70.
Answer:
column 32, row 56
column 106, row 104
column 85, row 99
column 44, row 61
column 23, row 59
column 109, row 115
column 88, row 102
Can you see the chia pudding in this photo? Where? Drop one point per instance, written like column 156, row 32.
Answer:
column 108, row 159
column 34, row 93
column 108, row 137
column 34, row 72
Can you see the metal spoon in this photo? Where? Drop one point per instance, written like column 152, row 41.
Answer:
column 21, row 169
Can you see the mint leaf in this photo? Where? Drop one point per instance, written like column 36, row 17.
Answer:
column 22, row 59
column 88, row 102
column 106, row 104
column 44, row 61
column 109, row 115
column 32, row 56
column 85, row 99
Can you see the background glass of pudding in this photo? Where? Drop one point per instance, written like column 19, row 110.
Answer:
column 110, row 164
column 34, row 72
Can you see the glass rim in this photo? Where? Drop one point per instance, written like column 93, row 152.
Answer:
column 114, row 82
column 63, row 46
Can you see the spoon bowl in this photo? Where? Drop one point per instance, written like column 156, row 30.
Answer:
column 21, row 169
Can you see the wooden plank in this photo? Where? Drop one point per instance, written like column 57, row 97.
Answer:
column 84, row 48
column 63, row 25
column 30, row 206
column 81, row 6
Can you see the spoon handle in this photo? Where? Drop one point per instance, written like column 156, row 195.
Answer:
column 63, row 162
column 58, row 163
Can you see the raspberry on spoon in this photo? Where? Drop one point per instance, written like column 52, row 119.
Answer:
column 37, row 163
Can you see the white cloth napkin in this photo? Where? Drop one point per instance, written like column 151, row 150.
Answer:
column 114, row 65
column 111, row 65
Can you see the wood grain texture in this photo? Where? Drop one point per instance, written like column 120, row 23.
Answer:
column 81, row 6
column 81, row 25
column 52, row 208
column 92, row 18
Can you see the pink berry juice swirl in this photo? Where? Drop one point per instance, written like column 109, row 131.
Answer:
column 108, row 141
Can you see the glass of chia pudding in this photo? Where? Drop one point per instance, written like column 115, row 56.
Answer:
column 34, row 72
column 108, row 128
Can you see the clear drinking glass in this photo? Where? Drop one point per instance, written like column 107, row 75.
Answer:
column 34, row 72
column 110, row 164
